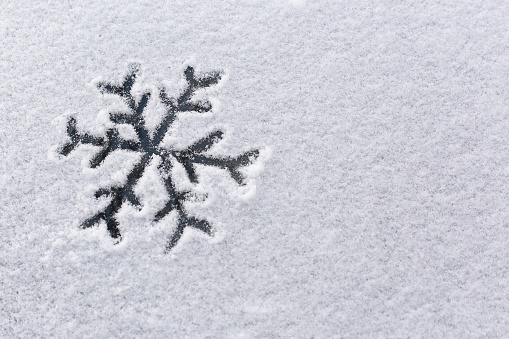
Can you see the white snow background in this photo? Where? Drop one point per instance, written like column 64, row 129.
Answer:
column 383, row 210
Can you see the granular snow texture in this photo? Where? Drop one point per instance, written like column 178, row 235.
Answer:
column 378, row 205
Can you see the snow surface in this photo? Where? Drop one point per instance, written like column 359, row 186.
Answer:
column 381, row 208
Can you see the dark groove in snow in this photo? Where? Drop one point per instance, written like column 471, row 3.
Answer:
column 149, row 147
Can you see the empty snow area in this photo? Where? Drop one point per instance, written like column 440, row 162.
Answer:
column 254, row 169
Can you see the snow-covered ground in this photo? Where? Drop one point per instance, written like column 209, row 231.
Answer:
column 377, row 205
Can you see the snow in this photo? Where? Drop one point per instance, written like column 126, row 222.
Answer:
column 378, row 206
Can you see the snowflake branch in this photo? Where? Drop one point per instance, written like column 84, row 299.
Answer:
column 119, row 195
column 185, row 221
column 124, row 91
column 193, row 83
column 206, row 143
column 171, row 114
column 176, row 202
column 77, row 138
column 108, row 214
column 134, row 119
column 113, row 143
column 122, row 118
column 194, row 155
column 175, row 198
column 230, row 164
column 202, row 145
column 183, row 103
column 132, row 180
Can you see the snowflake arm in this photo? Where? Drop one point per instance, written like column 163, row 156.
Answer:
column 228, row 163
column 193, row 84
column 124, row 90
column 202, row 145
column 188, row 158
column 176, row 203
column 183, row 103
column 118, row 196
column 194, row 154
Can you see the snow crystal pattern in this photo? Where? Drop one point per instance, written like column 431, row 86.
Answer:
column 149, row 145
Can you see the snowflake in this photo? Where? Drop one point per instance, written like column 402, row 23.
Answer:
column 148, row 145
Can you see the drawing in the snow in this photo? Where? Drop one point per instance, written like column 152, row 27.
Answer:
column 148, row 145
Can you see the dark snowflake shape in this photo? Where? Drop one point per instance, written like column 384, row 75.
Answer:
column 148, row 144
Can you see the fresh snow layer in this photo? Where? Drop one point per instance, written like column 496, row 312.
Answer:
column 378, row 206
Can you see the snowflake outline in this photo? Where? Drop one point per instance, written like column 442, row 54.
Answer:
column 149, row 145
